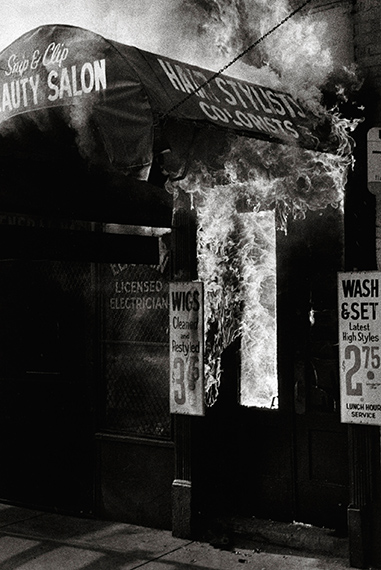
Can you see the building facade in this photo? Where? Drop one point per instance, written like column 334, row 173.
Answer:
column 87, row 256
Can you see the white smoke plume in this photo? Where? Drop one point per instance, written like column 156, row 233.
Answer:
column 210, row 33
column 237, row 256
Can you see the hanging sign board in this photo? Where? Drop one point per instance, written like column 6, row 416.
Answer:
column 374, row 159
column 186, row 348
column 359, row 344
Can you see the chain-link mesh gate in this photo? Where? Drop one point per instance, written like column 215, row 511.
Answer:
column 135, row 352
column 133, row 330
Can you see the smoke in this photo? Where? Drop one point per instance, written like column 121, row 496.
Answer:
column 135, row 22
column 295, row 57
column 208, row 33
column 258, row 386
column 269, row 183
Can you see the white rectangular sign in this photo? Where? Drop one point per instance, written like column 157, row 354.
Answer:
column 374, row 159
column 359, row 344
column 186, row 348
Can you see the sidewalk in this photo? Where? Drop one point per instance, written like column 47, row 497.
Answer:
column 34, row 540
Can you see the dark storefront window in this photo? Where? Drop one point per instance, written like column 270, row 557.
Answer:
column 46, row 350
column 135, row 353
column 39, row 301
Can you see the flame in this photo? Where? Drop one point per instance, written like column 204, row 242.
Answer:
column 258, row 383
column 260, row 186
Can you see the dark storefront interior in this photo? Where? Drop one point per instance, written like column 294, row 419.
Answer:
column 76, row 425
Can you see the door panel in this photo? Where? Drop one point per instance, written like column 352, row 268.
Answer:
column 135, row 480
column 267, row 464
column 313, row 256
column 321, row 471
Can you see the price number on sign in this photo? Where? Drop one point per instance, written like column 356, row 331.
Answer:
column 183, row 375
column 366, row 357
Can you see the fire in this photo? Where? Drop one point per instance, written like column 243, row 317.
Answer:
column 259, row 386
column 261, row 186
column 239, row 209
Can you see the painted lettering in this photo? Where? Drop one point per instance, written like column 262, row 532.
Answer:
column 360, row 287
column 185, row 301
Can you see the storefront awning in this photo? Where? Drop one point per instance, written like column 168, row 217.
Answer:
column 131, row 102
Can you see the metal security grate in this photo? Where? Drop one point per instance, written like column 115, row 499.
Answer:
column 136, row 392
column 135, row 349
column 70, row 276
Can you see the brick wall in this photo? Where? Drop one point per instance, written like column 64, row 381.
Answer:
column 367, row 48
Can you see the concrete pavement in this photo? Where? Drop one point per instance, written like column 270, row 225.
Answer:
column 34, row 540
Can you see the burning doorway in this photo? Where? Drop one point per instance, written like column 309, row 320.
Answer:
column 289, row 420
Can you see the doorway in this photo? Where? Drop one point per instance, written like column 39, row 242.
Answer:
column 291, row 463
column 46, row 422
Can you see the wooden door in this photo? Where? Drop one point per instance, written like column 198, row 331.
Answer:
column 312, row 256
